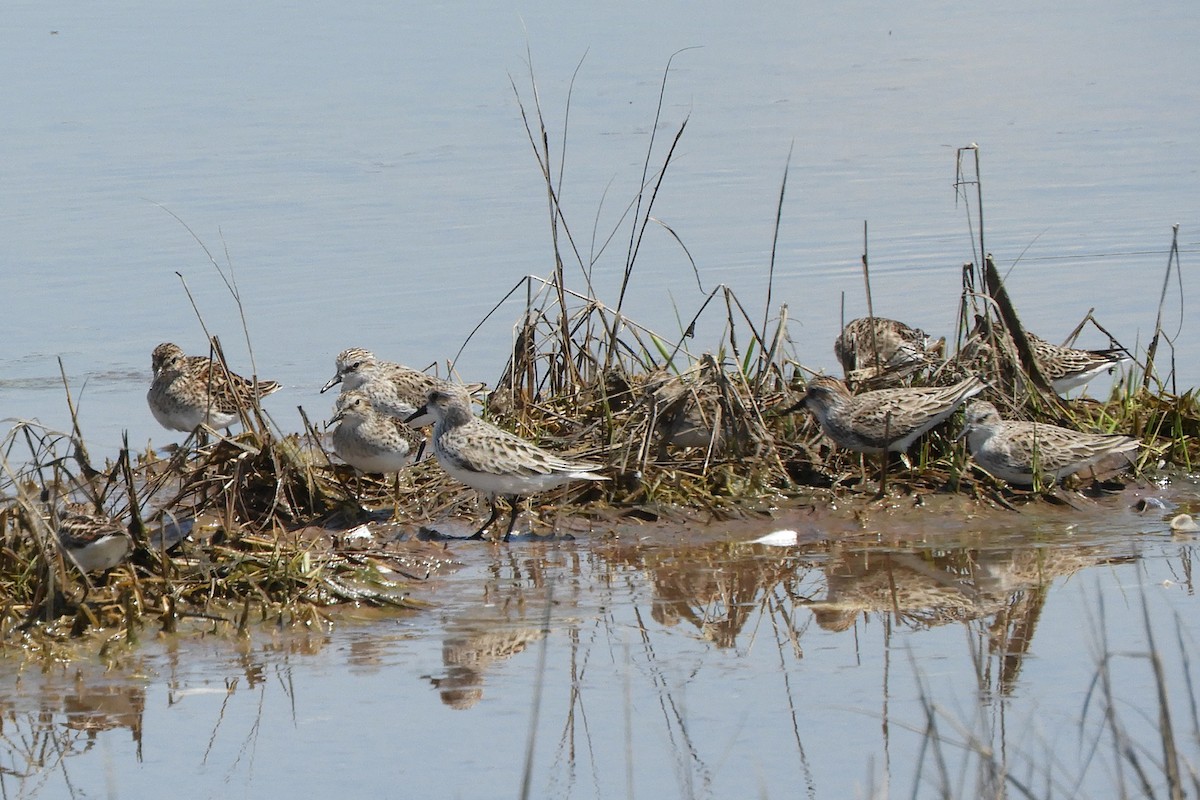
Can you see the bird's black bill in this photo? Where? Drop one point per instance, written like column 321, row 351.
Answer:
column 420, row 412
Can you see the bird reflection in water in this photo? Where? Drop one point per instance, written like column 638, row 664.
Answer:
column 469, row 651
column 723, row 589
column 66, row 720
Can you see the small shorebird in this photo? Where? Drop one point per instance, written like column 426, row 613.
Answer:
column 901, row 349
column 189, row 391
column 394, row 389
column 688, row 406
column 1016, row 451
column 885, row 419
column 92, row 543
column 369, row 440
column 1067, row 367
column 1064, row 368
column 492, row 460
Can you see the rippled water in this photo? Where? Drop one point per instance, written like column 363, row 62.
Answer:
column 367, row 175
column 364, row 174
column 660, row 665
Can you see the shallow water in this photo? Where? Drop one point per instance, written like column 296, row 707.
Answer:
column 661, row 663
column 368, row 178
column 367, row 175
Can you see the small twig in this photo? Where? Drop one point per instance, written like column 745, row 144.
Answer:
column 1152, row 349
column 775, row 236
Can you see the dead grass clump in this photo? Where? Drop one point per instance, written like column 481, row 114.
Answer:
column 253, row 479
column 210, row 543
column 640, row 403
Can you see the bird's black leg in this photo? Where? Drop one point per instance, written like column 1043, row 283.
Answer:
column 513, row 501
column 883, row 468
column 495, row 513
column 883, row 476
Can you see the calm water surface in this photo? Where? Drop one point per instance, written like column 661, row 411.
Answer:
column 665, row 666
column 366, row 176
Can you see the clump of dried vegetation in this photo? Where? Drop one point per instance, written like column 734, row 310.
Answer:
column 234, row 528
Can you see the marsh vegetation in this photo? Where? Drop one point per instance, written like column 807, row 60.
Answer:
column 261, row 524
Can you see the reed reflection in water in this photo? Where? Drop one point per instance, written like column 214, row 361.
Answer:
column 684, row 669
column 64, row 719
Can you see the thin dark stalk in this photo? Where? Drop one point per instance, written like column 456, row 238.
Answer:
column 757, row 337
column 230, row 282
column 638, row 230
column 595, row 254
column 541, row 154
column 562, row 160
column 773, row 352
column 76, row 433
column 137, row 527
column 960, row 181
column 979, row 198
column 536, row 704
column 526, row 282
column 842, row 312
column 1024, row 250
column 1187, row 677
column 1166, row 728
column 553, row 207
column 1152, row 349
column 775, row 236
column 679, row 344
column 866, row 268
column 686, row 252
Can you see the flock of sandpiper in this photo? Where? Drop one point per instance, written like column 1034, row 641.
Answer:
column 1020, row 452
column 383, row 406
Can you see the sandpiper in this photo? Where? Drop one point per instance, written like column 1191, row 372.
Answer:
column 189, row 391
column 1064, row 368
column 394, row 389
column 93, row 543
column 369, row 440
column 1068, row 367
column 492, row 460
column 872, row 347
column 1017, row 451
column 884, row 419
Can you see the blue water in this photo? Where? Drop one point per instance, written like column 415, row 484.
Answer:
column 365, row 177
column 665, row 670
